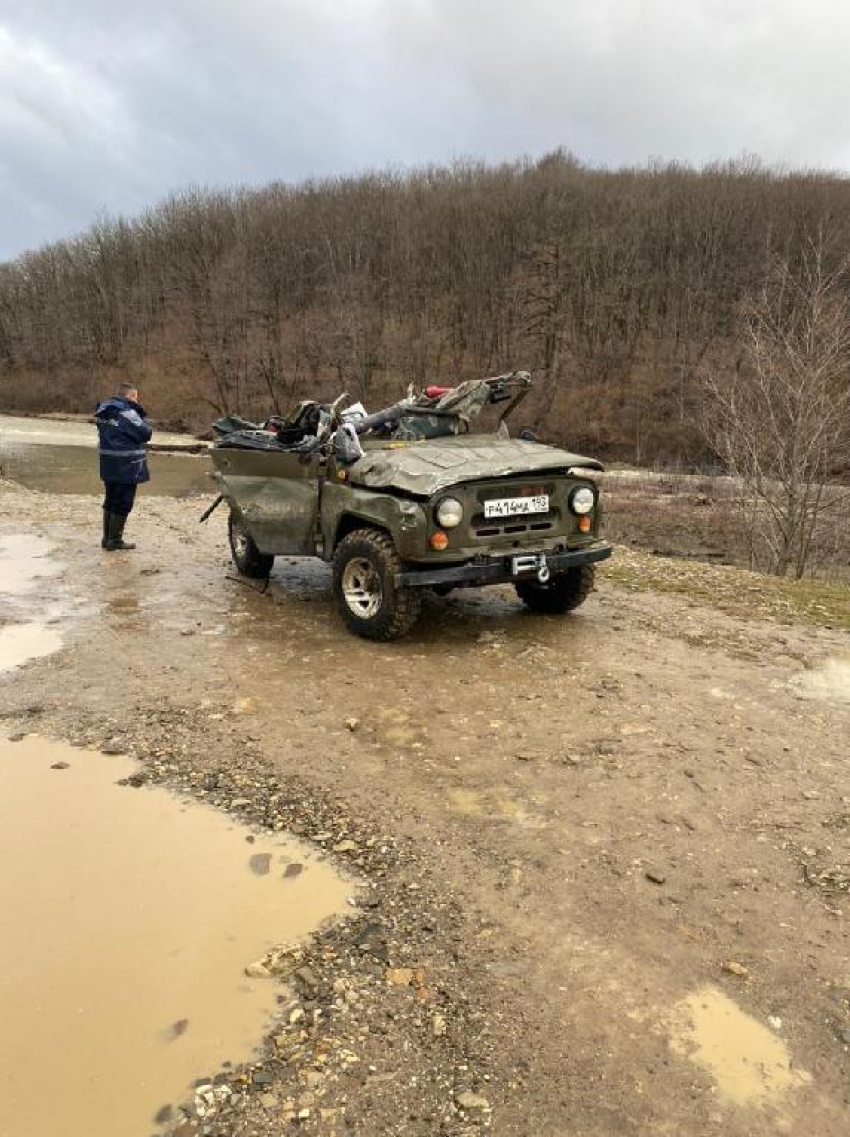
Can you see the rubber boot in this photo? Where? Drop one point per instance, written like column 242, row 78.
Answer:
column 107, row 533
column 111, row 531
column 115, row 534
column 119, row 542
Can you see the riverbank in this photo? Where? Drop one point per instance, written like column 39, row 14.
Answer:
column 60, row 457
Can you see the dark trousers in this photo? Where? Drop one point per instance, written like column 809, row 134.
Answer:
column 119, row 498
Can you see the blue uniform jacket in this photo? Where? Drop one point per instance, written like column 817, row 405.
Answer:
column 123, row 436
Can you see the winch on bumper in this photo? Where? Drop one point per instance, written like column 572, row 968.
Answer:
column 507, row 569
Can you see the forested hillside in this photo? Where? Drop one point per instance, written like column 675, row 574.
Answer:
column 618, row 290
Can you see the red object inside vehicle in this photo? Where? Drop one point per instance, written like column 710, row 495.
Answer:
column 436, row 392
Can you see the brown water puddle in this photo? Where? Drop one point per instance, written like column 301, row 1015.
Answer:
column 20, row 643
column 748, row 1063
column 129, row 917
column 25, row 571
column 24, row 562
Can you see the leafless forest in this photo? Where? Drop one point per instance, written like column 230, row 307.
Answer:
column 620, row 290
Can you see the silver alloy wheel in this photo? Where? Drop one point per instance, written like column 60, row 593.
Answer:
column 361, row 587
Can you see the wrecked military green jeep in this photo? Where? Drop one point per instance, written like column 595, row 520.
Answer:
column 412, row 497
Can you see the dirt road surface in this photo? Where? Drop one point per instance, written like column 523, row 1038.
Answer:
column 606, row 857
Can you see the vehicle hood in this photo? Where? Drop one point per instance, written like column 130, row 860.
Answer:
column 425, row 468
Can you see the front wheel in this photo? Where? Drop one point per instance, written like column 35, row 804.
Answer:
column 564, row 592
column 364, row 585
column 246, row 556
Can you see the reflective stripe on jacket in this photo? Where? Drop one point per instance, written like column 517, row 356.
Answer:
column 123, row 433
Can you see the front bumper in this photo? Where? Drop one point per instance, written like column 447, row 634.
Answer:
column 499, row 570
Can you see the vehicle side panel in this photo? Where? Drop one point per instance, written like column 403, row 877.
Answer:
column 276, row 494
column 343, row 505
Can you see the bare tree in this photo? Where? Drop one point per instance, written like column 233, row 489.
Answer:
column 780, row 419
column 614, row 287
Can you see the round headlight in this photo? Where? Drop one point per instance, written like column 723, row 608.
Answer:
column 582, row 500
column 449, row 513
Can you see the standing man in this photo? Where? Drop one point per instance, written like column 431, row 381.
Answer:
column 123, row 434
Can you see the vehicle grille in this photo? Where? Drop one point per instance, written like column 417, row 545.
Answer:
column 509, row 526
column 485, row 528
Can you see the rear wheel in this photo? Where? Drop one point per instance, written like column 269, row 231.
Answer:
column 564, row 592
column 369, row 600
column 246, row 556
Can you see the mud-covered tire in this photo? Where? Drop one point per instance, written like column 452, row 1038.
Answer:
column 246, row 556
column 370, row 602
column 564, row 592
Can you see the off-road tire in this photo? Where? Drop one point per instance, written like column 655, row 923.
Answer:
column 564, row 592
column 247, row 557
column 397, row 609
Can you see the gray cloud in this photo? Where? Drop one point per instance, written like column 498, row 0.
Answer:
column 105, row 108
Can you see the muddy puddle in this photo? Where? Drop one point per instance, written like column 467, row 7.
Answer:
column 21, row 643
column 749, row 1064
column 25, row 561
column 27, row 572
column 61, row 457
column 129, row 917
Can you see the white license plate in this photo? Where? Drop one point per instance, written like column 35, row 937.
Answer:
column 515, row 506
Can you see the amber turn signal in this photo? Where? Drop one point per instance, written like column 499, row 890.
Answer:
column 584, row 524
column 439, row 540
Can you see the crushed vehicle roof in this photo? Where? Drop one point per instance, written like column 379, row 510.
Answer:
column 424, row 468
column 418, row 446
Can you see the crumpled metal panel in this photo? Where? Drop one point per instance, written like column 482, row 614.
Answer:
column 425, row 468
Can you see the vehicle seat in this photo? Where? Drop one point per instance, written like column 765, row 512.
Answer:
column 304, row 422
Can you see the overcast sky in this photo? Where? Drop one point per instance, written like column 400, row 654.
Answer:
column 106, row 105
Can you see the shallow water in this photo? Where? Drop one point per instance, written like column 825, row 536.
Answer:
column 749, row 1064
column 129, row 917
column 21, row 643
column 26, row 588
column 25, row 561
column 61, row 457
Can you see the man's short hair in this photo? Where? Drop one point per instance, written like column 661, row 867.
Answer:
column 124, row 389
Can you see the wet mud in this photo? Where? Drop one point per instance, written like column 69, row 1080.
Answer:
column 130, row 917
column 569, row 828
